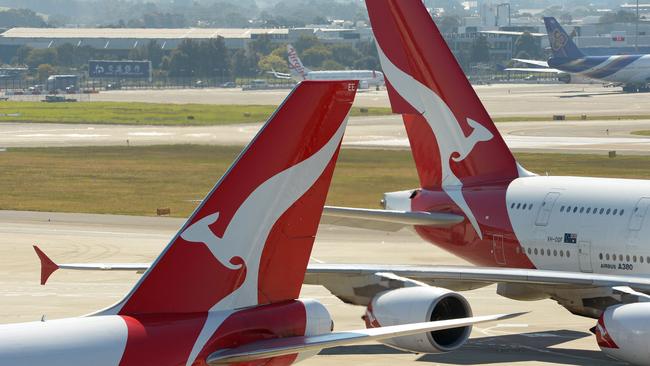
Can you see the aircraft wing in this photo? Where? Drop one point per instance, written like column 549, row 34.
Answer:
column 533, row 69
column 358, row 283
column 268, row 348
column 279, row 75
column 532, row 62
column 386, row 220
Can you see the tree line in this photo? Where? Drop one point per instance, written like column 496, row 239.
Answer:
column 204, row 58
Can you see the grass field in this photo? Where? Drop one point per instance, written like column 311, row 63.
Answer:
column 138, row 180
column 641, row 133
column 122, row 113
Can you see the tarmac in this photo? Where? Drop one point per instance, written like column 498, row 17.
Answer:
column 547, row 335
column 362, row 132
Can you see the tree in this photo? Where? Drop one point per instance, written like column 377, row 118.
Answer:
column 273, row 62
column 315, row 56
column 305, row 42
column 332, row 65
column 344, row 54
column 44, row 71
column 21, row 55
column 480, row 50
column 41, row 56
column 21, row 18
column 528, row 44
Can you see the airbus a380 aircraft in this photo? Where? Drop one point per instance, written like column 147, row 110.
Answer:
column 225, row 290
column 366, row 78
column 632, row 72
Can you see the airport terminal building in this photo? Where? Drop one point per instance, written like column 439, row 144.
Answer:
column 119, row 41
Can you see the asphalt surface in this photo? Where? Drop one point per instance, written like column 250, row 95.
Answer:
column 376, row 132
column 548, row 335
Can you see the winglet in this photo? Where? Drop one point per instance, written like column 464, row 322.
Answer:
column 47, row 265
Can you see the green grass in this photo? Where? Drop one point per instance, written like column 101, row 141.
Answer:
column 641, row 132
column 138, row 180
column 125, row 113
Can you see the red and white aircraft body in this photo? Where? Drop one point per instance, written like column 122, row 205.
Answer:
column 225, row 290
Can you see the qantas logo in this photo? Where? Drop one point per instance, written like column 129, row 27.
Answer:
column 245, row 237
column 452, row 142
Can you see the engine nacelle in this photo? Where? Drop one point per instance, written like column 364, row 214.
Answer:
column 416, row 305
column 623, row 332
column 319, row 320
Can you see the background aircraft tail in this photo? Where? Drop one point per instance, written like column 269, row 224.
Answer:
column 249, row 241
column 561, row 44
column 295, row 64
column 453, row 139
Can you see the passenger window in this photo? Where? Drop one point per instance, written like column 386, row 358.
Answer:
column 568, row 209
column 608, row 211
column 529, row 251
column 523, row 207
column 575, row 209
column 568, row 254
column 634, row 258
column 561, row 253
column 562, row 209
column 518, row 206
column 541, row 252
column 513, row 205
column 555, row 252
column 627, row 258
column 535, row 251
column 641, row 259
column 600, row 256
column 607, row 256
column 595, row 210
column 548, row 252
column 601, row 210
column 621, row 213
column 530, row 207
column 582, row 209
column 615, row 211
column 647, row 259
column 588, row 209
column 620, row 257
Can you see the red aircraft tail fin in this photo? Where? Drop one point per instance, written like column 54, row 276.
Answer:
column 249, row 241
column 453, row 139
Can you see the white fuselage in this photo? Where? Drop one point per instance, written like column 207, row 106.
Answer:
column 582, row 224
column 98, row 341
column 372, row 78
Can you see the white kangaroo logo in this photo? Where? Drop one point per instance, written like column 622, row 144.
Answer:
column 452, row 142
column 249, row 228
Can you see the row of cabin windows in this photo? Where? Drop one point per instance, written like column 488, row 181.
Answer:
column 521, row 206
column 548, row 253
column 620, row 258
column 593, row 211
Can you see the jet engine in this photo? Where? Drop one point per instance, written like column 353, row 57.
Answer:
column 623, row 332
column 420, row 304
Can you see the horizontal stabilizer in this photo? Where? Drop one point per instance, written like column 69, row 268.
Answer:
column 285, row 346
column 541, row 70
column 532, row 62
column 386, row 220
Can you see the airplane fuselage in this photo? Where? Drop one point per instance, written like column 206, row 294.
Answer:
column 626, row 69
column 371, row 77
column 594, row 225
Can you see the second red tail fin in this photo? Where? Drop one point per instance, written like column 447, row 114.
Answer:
column 453, row 138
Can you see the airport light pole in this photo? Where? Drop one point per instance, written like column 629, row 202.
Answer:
column 636, row 26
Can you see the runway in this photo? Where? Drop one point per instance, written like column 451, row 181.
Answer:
column 547, row 335
column 500, row 100
column 377, row 132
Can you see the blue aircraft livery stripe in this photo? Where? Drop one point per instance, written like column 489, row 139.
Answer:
column 574, row 65
column 613, row 67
